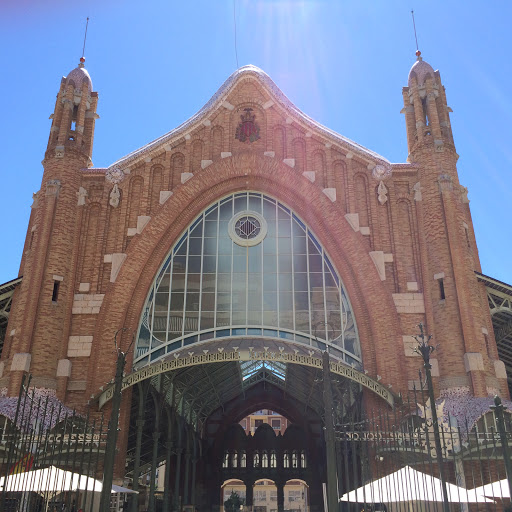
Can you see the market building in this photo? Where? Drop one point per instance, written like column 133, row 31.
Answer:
column 234, row 251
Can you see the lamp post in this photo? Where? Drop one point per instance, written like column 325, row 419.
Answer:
column 110, row 451
column 425, row 349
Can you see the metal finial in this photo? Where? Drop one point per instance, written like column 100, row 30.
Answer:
column 418, row 53
column 82, row 58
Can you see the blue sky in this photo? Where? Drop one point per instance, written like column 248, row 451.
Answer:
column 344, row 63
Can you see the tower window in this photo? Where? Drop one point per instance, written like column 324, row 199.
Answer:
column 441, row 289
column 55, row 293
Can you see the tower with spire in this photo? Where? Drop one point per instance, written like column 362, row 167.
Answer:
column 455, row 301
column 50, row 253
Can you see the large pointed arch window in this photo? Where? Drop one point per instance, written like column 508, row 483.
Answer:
column 247, row 266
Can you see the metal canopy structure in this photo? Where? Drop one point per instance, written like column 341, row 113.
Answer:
column 499, row 295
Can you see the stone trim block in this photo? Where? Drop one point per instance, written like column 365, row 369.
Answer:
column 142, row 220
column 310, row 175
column 473, row 361
column 409, row 345
column 21, row 362
column 409, row 302
column 412, row 286
column 185, row 176
column 499, row 369
column 225, row 154
column 435, row 368
column 353, row 220
column 2, row 367
column 64, row 368
column 57, row 278
column 164, row 195
column 107, row 258
column 131, row 232
column 330, row 193
column 267, row 104
column 206, row 163
column 87, row 304
column 364, row 230
column 228, row 105
column 484, row 330
column 439, row 276
column 271, row 154
column 207, row 122
column 378, row 259
column 117, row 261
column 79, row 346
column 290, row 162
column 84, row 287
column 77, row 385
column 388, row 258
column 13, row 332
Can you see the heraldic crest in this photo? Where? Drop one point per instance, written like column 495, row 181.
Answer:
column 248, row 130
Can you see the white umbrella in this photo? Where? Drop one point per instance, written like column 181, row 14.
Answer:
column 407, row 484
column 498, row 489
column 51, row 481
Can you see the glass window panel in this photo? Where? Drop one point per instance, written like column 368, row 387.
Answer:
column 179, row 264
column 301, row 282
column 224, row 263
column 302, row 321
column 297, row 229
column 195, row 245
column 254, row 283
column 239, row 318
column 226, row 210
column 163, row 285
column 301, row 300
column 192, row 301
column 239, row 263
column 254, row 301
column 270, row 301
column 191, row 321
column 269, row 318
column 284, row 228
column 283, row 213
column 178, row 282
column 240, row 204
column 209, row 282
column 197, row 231
column 161, row 301
column 269, row 245
column 210, row 229
column 312, row 248
column 315, row 280
column 332, row 300
column 208, row 301
column 223, row 319
column 254, row 318
column 223, row 301
column 209, row 263
column 160, row 321
column 255, row 204
column 269, row 281
column 315, row 263
column 285, row 301
column 285, row 263
column 239, row 301
column 254, row 332
column 329, row 281
column 225, row 246
column 175, row 321
column 224, row 282
column 210, row 246
column 270, row 263
column 177, row 299
column 212, row 213
column 239, row 332
column 285, row 282
column 299, row 245
column 158, row 338
column 182, row 250
column 239, row 283
column 255, row 258
column 193, row 282
column 284, row 246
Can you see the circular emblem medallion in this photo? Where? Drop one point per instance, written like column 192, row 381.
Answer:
column 247, row 228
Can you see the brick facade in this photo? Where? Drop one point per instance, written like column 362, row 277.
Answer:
column 399, row 235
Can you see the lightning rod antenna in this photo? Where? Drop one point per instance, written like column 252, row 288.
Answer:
column 85, row 37
column 418, row 53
